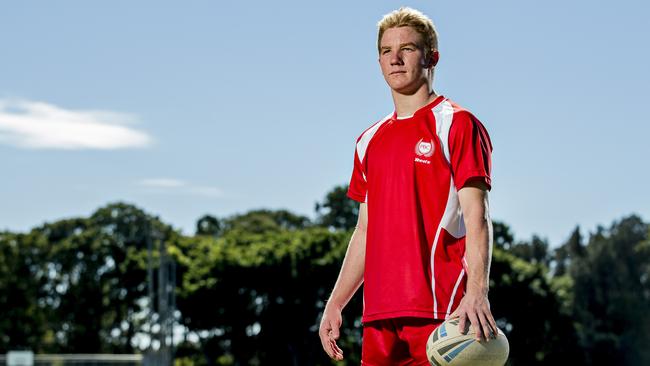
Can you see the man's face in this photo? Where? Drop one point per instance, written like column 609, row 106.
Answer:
column 402, row 61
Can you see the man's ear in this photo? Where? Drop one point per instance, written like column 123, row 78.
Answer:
column 434, row 56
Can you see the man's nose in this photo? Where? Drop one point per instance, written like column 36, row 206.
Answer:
column 396, row 58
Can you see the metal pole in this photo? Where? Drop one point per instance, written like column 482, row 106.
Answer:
column 150, row 286
column 163, row 308
column 172, row 301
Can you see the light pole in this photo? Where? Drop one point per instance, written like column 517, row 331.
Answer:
column 165, row 299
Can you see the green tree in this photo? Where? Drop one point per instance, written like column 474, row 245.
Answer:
column 97, row 277
column 611, row 298
column 525, row 304
column 534, row 251
column 529, row 305
column 23, row 274
column 208, row 225
column 337, row 211
column 565, row 253
column 252, row 287
column 262, row 220
column 503, row 236
column 256, row 297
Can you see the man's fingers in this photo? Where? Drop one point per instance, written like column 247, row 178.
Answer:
column 325, row 342
column 326, row 347
column 329, row 333
column 476, row 325
column 336, row 352
column 486, row 327
column 494, row 330
column 493, row 325
column 325, row 339
column 333, row 335
column 331, row 348
column 463, row 322
column 336, row 349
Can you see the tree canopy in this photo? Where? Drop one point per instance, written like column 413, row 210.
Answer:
column 251, row 288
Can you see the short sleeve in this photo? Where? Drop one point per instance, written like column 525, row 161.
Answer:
column 470, row 150
column 358, row 185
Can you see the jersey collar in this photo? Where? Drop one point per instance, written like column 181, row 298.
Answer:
column 423, row 109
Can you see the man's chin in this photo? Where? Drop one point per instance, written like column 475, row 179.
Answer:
column 404, row 90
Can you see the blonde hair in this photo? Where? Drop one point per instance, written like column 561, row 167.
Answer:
column 409, row 17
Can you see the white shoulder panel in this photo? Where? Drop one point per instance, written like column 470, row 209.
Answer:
column 444, row 113
column 362, row 145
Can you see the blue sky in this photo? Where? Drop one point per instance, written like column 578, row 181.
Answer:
column 211, row 107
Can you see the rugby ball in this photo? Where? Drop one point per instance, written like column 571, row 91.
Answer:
column 448, row 346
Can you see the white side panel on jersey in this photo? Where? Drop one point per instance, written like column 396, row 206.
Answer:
column 362, row 145
column 452, row 219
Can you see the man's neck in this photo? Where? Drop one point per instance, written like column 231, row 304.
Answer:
column 407, row 104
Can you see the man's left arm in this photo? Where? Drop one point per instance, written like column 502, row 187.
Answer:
column 475, row 305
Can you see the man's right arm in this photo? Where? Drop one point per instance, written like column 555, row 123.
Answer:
column 349, row 280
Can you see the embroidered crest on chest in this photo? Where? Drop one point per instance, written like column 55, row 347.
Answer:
column 424, row 149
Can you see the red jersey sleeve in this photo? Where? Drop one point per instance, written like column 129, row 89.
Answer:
column 358, row 185
column 470, row 150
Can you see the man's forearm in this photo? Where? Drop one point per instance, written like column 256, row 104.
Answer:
column 475, row 305
column 478, row 252
column 351, row 275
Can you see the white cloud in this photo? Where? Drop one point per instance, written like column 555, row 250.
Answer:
column 162, row 183
column 176, row 186
column 39, row 125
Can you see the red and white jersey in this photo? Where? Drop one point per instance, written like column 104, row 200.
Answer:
column 409, row 171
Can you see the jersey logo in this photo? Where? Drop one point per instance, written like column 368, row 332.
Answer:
column 424, row 148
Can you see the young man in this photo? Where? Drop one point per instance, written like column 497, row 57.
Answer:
column 423, row 241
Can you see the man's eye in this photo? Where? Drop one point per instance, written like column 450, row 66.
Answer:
column 407, row 49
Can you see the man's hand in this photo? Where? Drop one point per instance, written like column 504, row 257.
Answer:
column 329, row 331
column 476, row 307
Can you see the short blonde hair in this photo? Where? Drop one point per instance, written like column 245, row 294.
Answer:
column 409, row 17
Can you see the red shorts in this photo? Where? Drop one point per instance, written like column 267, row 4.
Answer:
column 398, row 341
